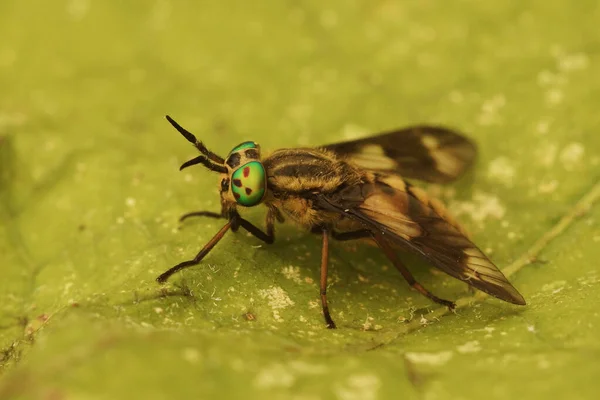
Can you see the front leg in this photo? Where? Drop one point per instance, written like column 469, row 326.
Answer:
column 268, row 237
column 209, row 214
column 196, row 260
column 237, row 221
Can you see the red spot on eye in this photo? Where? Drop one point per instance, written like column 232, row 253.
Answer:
column 248, row 191
column 237, row 182
column 236, row 195
column 246, row 172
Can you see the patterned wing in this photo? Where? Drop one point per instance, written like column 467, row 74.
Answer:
column 408, row 219
column 427, row 153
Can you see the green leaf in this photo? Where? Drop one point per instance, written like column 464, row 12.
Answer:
column 90, row 195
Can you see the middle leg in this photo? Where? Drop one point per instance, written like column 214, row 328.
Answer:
column 323, row 281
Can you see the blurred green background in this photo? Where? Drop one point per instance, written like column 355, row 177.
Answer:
column 90, row 194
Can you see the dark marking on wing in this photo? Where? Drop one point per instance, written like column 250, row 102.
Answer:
column 428, row 153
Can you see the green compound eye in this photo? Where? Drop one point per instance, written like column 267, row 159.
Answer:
column 248, row 183
column 242, row 146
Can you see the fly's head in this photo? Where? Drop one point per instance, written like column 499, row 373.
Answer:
column 243, row 178
column 245, row 182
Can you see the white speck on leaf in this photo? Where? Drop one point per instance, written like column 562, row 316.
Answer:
column 432, row 359
column 77, row 9
column 501, row 170
column 277, row 316
column 549, row 78
column 554, row 96
column 358, row 387
column 543, row 363
column 547, row 187
column 191, row 355
column 278, row 299
column 571, row 156
column 573, row 62
column 482, row 207
column 456, row 97
column 546, row 153
column 329, row 18
column 469, row 347
column 490, row 110
column 554, row 287
column 543, row 127
column 304, row 367
column 275, row 375
column 369, row 326
column 292, row 273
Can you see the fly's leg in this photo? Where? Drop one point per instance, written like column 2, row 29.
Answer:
column 205, row 250
column 391, row 255
column 234, row 223
column 209, row 214
column 237, row 221
column 268, row 237
column 323, row 282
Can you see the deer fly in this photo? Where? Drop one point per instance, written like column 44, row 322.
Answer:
column 356, row 190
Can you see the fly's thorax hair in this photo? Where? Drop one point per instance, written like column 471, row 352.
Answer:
column 307, row 169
